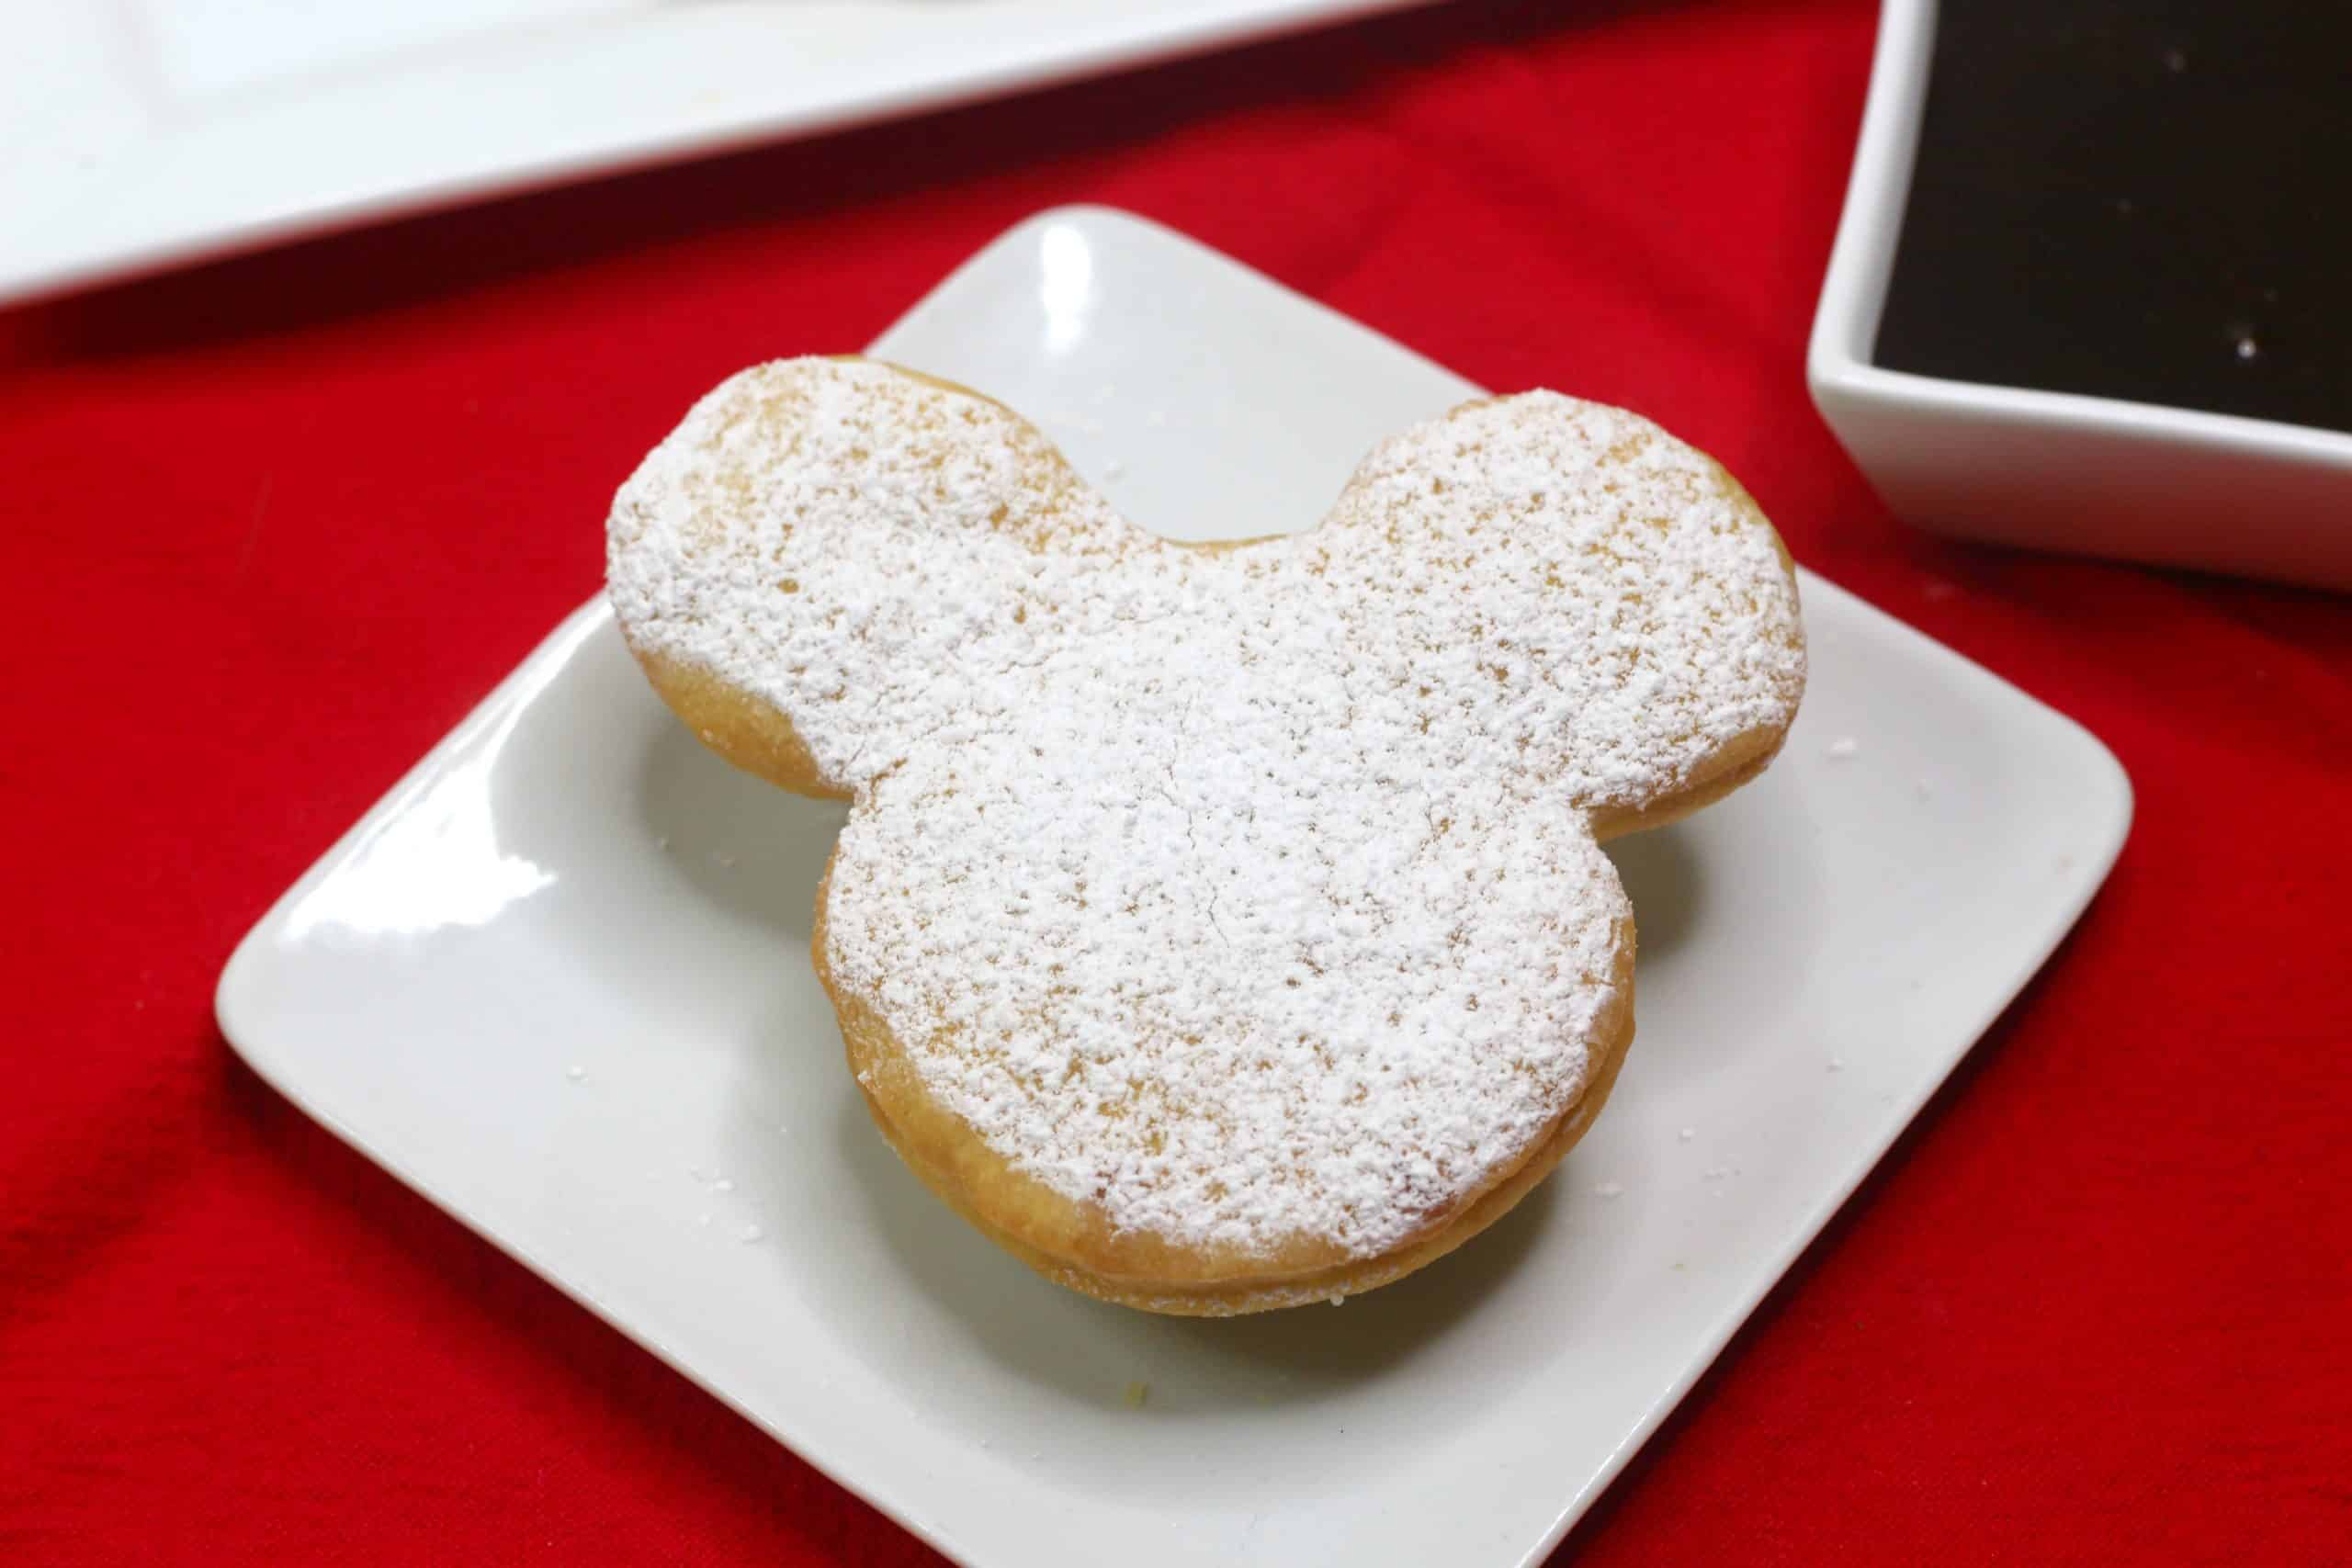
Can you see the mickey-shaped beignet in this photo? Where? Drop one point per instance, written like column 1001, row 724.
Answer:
column 1216, row 927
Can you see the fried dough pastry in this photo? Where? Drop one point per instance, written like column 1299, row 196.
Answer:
column 1215, row 928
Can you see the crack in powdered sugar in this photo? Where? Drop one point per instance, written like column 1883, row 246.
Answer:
column 1249, row 895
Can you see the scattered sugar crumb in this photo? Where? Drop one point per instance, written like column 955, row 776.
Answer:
column 1923, row 789
column 1836, row 1064
column 1843, row 749
column 1717, row 1172
column 576, row 1073
column 696, row 1172
column 750, row 1233
column 1338, row 1300
column 702, row 1219
column 1155, row 419
column 661, row 841
column 1136, row 1394
column 1688, row 1134
column 724, row 1185
column 1113, row 469
column 1610, row 1189
column 726, row 863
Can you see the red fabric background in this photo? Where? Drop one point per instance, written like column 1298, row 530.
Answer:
column 275, row 524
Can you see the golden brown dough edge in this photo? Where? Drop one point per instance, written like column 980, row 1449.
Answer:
column 749, row 731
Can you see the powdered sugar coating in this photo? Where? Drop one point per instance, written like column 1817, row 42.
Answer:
column 1250, row 896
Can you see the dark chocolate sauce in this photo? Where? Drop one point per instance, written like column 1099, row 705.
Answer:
column 2149, row 200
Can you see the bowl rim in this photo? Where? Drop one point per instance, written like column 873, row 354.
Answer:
column 1838, row 368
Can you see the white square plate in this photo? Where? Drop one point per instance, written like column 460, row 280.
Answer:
column 559, row 982
column 143, row 133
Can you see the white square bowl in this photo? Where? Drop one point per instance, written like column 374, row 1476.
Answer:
column 2056, row 470
column 557, row 981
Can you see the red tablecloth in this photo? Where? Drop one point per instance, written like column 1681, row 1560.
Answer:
column 274, row 525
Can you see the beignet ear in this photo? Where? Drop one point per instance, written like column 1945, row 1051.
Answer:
column 1603, row 599
column 820, row 539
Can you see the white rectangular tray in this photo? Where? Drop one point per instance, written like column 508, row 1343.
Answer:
column 559, row 982
column 146, row 132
